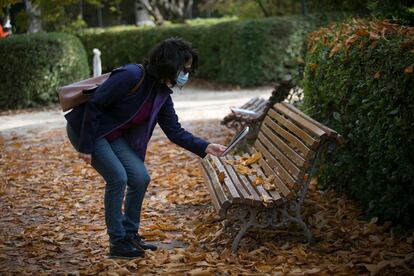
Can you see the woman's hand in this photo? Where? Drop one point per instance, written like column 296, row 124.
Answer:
column 86, row 157
column 215, row 149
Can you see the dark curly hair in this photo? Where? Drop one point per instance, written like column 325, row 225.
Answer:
column 167, row 58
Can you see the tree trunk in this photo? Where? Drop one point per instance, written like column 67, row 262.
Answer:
column 304, row 7
column 189, row 9
column 141, row 14
column 263, row 8
column 118, row 12
column 153, row 10
column 81, row 9
column 34, row 13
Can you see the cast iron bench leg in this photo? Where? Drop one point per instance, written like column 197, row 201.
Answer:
column 247, row 223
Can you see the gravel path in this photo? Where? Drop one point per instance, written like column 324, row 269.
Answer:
column 190, row 103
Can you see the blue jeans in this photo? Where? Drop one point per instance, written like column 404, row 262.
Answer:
column 120, row 167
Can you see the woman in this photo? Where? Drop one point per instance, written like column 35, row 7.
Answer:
column 111, row 132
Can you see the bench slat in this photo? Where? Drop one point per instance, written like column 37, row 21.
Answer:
column 279, row 182
column 283, row 147
column 260, row 106
column 249, row 103
column 304, row 123
column 246, row 184
column 277, row 199
column 214, row 199
column 269, row 171
column 253, row 103
column 332, row 133
column 303, row 136
column 277, row 167
column 260, row 190
column 285, row 161
column 293, row 142
column 248, row 195
column 217, row 188
column 234, row 193
column 275, row 194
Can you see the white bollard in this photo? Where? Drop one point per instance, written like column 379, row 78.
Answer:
column 97, row 66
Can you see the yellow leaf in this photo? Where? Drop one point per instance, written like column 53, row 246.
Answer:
column 200, row 272
column 409, row 69
column 197, row 258
column 243, row 169
column 362, row 32
column 263, row 268
column 253, row 159
column 266, row 200
column 168, row 227
column 221, row 177
column 269, row 187
column 312, row 66
column 377, row 75
column 258, row 181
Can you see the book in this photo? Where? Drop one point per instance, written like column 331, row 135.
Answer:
column 236, row 139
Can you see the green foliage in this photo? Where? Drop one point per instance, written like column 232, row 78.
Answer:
column 34, row 66
column 402, row 10
column 241, row 52
column 359, row 81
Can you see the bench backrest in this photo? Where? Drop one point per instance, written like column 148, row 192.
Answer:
column 289, row 141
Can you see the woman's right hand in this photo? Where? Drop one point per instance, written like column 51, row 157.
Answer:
column 86, row 157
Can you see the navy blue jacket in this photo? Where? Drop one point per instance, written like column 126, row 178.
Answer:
column 109, row 107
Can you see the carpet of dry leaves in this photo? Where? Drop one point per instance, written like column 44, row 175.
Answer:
column 52, row 221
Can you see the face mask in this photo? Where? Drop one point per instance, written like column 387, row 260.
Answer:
column 182, row 79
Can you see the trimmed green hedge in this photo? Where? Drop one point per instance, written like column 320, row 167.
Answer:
column 359, row 80
column 33, row 66
column 242, row 52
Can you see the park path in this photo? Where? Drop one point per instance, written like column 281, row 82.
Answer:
column 191, row 104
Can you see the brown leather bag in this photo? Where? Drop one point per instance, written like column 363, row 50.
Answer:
column 79, row 92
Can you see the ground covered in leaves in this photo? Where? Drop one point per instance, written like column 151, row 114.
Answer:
column 52, row 221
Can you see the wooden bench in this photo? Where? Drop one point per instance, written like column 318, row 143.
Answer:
column 238, row 121
column 289, row 143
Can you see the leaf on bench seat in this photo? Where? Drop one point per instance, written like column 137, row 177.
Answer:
column 253, row 159
column 221, row 177
column 243, row 169
column 258, row 181
column 266, row 200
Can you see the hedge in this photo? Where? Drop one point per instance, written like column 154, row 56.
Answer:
column 242, row 52
column 359, row 80
column 33, row 66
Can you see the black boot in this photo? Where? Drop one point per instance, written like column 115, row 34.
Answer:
column 136, row 240
column 125, row 250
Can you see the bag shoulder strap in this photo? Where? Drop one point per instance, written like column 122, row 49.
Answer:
column 138, row 85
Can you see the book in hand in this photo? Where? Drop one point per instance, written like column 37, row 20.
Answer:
column 242, row 111
column 236, row 139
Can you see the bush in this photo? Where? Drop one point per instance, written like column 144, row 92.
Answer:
column 359, row 81
column 33, row 67
column 242, row 52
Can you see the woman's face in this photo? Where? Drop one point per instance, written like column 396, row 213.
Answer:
column 186, row 69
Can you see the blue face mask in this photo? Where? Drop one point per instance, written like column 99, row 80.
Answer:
column 182, row 79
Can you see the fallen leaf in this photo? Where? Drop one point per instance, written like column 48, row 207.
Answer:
column 221, row 177
column 263, row 268
column 253, row 159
